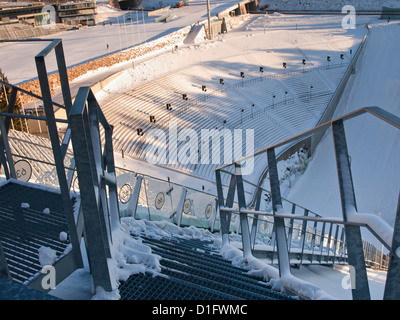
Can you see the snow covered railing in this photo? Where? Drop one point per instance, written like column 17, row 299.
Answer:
column 352, row 219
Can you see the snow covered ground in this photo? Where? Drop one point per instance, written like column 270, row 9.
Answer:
column 373, row 145
column 127, row 29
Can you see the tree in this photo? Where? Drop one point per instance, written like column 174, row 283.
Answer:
column 5, row 93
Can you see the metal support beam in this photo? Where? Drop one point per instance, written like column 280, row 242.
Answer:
column 62, row 72
column 5, row 152
column 290, row 233
column 96, row 237
column 244, row 222
column 10, row 107
column 321, row 242
column 225, row 216
column 392, row 287
column 179, row 209
column 303, row 235
column 313, row 240
column 279, row 223
column 58, row 157
column 254, row 225
column 335, row 243
column 348, row 200
column 133, row 201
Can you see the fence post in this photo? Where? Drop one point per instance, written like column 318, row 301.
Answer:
column 347, row 196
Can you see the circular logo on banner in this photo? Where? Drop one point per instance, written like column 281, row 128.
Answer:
column 160, row 200
column 208, row 211
column 125, row 193
column 186, row 206
column 23, row 170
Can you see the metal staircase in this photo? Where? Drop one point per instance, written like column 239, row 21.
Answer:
column 192, row 270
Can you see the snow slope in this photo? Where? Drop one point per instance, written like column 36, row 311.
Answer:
column 373, row 145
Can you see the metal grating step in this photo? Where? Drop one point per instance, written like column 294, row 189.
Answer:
column 191, row 270
column 24, row 230
column 147, row 287
column 236, row 282
column 201, row 255
column 218, row 265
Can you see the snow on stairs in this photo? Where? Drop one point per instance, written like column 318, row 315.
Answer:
column 191, row 270
column 23, row 230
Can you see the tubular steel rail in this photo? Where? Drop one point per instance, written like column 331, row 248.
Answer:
column 59, row 150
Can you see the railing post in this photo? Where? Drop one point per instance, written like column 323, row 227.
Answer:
column 392, row 287
column 303, row 235
column 92, row 207
column 10, row 107
column 347, row 195
column 329, row 240
column 225, row 217
column 322, row 242
column 254, row 226
column 4, row 272
column 343, row 248
column 133, row 202
column 335, row 243
column 5, row 152
column 58, row 157
column 244, row 223
column 62, row 71
column 313, row 240
column 290, row 233
column 179, row 208
column 279, row 223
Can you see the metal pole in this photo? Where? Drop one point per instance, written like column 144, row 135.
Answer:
column 392, row 286
column 279, row 223
column 244, row 223
column 225, row 217
column 4, row 271
column 58, row 157
column 209, row 19
column 349, row 206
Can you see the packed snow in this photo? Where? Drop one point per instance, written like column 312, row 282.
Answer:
column 47, row 256
column 132, row 257
column 375, row 166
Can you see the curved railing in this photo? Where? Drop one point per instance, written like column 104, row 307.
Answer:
column 351, row 220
